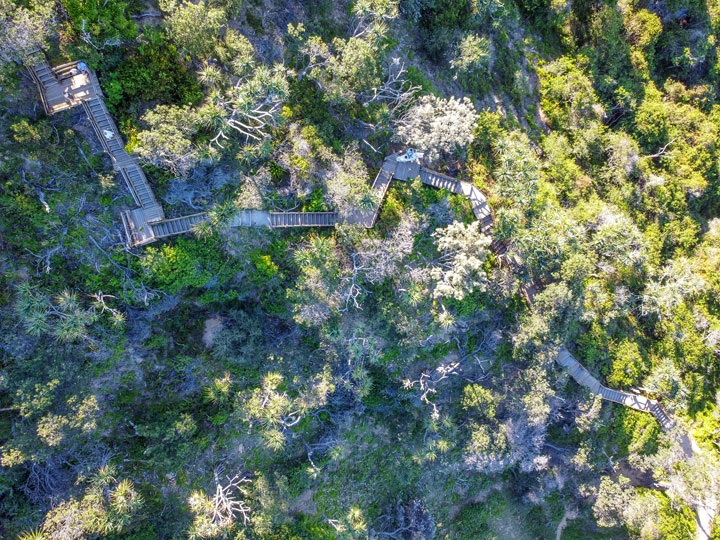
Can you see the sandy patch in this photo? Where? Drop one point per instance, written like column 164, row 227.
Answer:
column 304, row 504
column 569, row 514
column 212, row 326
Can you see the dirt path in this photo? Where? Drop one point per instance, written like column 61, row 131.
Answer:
column 705, row 517
column 705, row 512
column 569, row 514
column 212, row 327
column 479, row 498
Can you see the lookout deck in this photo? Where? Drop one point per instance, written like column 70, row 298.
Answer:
column 65, row 86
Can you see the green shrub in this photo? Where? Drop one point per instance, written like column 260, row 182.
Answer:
column 189, row 262
column 307, row 101
column 440, row 21
column 303, row 528
column 316, row 202
column 254, row 22
column 534, row 8
column 100, row 21
column 277, row 172
column 417, row 78
column 265, row 268
column 473, row 520
column 635, row 432
column 628, row 364
column 152, row 72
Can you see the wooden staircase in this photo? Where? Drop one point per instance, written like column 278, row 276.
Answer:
column 439, row 180
column 141, row 192
column 127, row 165
column 367, row 217
column 281, row 220
column 380, row 186
column 584, row 378
column 45, row 80
column 661, row 416
column 66, row 86
column 45, row 75
column 105, row 129
column 171, row 227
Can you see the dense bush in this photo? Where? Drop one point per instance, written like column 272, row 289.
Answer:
column 391, row 382
column 188, row 263
column 440, row 22
column 151, row 72
column 100, row 24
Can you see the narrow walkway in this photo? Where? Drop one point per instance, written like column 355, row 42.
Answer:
column 74, row 84
column 640, row 403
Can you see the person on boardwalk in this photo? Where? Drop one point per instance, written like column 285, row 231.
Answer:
column 69, row 97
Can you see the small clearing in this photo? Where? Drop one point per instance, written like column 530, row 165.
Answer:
column 212, row 326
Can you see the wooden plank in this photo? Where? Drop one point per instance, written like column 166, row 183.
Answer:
column 140, row 232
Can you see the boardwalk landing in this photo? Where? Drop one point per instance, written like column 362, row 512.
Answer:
column 65, row 86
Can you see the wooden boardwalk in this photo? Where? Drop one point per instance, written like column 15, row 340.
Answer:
column 640, row 403
column 66, row 86
column 283, row 220
column 368, row 217
column 174, row 226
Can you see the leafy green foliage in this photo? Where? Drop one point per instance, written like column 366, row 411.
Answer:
column 440, row 19
column 152, row 72
column 472, row 63
column 385, row 382
column 195, row 28
column 187, row 263
column 99, row 25
column 306, row 101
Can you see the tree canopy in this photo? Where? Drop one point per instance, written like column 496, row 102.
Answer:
column 398, row 381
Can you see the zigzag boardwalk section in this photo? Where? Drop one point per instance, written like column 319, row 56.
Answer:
column 380, row 186
column 640, row 403
column 128, row 166
column 137, row 229
column 368, row 216
column 67, row 86
column 142, row 193
column 439, row 181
